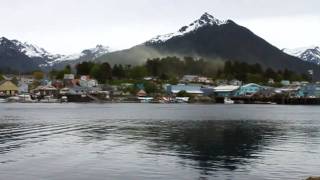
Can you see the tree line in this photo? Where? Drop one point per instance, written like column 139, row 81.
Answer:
column 255, row 73
column 172, row 68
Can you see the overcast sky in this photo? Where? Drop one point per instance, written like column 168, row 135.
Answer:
column 69, row 26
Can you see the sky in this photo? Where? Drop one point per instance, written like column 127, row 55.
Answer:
column 69, row 26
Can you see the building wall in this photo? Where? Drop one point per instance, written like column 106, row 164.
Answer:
column 224, row 94
column 310, row 90
column 248, row 90
column 172, row 89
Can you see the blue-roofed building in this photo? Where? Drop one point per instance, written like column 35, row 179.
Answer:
column 248, row 89
column 310, row 90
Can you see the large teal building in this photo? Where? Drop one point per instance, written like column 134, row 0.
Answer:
column 248, row 89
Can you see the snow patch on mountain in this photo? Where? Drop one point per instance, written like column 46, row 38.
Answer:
column 309, row 54
column 205, row 20
column 92, row 53
column 31, row 50
column 47, row 59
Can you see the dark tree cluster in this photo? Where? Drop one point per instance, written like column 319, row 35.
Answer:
column 171, row 68
column 174, row 66
column 256, row 74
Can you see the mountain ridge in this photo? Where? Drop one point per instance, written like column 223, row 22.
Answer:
column 309, row 54
column 214, row 40
column 207, row 38
column 24, row 56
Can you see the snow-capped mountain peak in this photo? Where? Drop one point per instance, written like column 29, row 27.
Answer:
column 309, row 54
column 98, row 50
column 2, row 39
column 205, row 20
column 88, row 54
column 6, row 42
column 31, row 50
column 46, row 59
column 208, row 18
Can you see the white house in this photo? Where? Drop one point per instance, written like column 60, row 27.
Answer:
column 225, row 90
column 23, row 87
column 191, row 89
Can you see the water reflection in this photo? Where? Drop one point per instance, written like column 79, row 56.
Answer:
column 106, row 142
column 212, row 144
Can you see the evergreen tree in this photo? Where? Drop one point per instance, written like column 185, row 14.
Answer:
column 84, row 68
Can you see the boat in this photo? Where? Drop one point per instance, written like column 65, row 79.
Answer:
column 49, row 99
column 145, row 99
column 13, row 99
column 228, row 101
column 25, row 98
column 64, row 99
column 182, row 99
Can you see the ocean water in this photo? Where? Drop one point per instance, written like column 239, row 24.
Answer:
column 158, row 141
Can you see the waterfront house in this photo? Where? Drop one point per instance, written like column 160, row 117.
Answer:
column 47, row 90
column 190, row 89
column 248, row 89
column 87, row 82
column 196, row 79
column 68, row 80
column 79, row 90
column 285, row 82
column 141, row 93
column 225, row 90
column 291, row 90
column 23, row 87
column 8, row 88
column 26, row 79
column 310, row 90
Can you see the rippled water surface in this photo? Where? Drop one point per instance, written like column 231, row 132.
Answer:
column 145, row 141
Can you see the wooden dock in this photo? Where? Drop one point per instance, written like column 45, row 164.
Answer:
column 277, row 100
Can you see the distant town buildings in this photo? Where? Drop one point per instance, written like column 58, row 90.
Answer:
column 194, row 88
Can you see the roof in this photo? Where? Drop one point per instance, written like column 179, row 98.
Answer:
column 188, row 88
column 227, row 88
column 251, row 84
column 6, row 85
column 141, row 93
